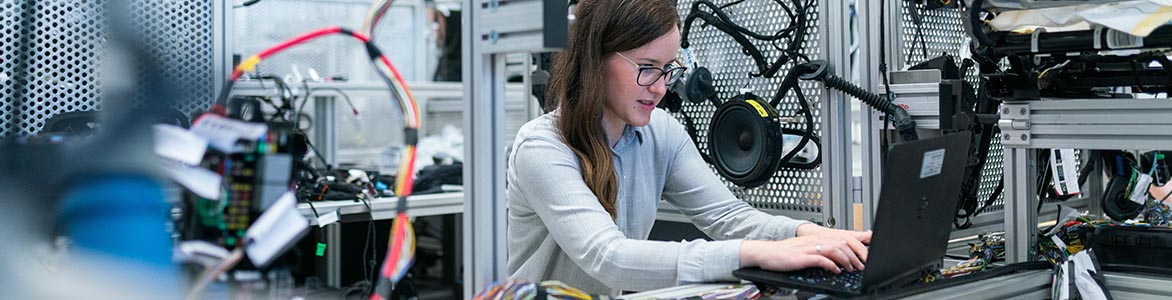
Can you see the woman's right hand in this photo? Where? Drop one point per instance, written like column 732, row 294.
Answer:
column 799, row 253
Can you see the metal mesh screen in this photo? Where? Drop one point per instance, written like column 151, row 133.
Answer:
column 179, row 34
column 68, row 42
column 788, row 189
column 943, row 32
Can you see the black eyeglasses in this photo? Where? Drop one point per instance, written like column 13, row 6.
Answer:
column 649, row 74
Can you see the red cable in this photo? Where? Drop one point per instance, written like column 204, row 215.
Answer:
column 409, row 183
column 392, row 259
column 300, row 39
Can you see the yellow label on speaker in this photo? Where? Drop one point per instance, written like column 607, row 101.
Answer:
column 760, row 109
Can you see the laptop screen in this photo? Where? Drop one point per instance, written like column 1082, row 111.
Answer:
column 917, row 203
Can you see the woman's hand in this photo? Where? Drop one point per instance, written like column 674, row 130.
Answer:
column 814, row 246
column 856, row 240
column 799, row 253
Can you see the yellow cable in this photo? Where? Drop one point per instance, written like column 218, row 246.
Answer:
column 248, row 65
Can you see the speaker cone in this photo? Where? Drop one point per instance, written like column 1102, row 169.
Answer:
column 745, row 140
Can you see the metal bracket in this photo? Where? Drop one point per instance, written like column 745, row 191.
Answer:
column 1015, row 125
column 521, row 26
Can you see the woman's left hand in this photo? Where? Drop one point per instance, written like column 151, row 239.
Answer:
column 856, row 240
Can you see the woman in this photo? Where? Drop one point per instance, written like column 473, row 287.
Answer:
column 584, row 180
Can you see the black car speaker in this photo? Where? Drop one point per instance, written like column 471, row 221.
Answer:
column 745, row 140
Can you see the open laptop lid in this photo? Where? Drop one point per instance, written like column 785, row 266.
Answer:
column 921, row 186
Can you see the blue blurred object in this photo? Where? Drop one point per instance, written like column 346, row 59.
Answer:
column 123, row 217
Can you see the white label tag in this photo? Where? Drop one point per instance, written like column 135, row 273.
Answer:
column 1058, row 242
column 933, row 163
column 1087, row 286
column 1139, row 193
column 176, row 143
column 327, row 219
column 1064, row 281
column 198, row 180
column 274, row 230
column 1065, row 176
column 222, row 133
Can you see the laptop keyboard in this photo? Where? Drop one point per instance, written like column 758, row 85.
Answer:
column 819, row 276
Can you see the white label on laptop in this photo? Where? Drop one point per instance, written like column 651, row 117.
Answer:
column 933, row 163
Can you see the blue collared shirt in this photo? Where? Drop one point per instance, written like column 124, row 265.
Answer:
column 557, row 230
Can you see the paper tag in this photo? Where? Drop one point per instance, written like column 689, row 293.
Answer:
column 1058, row 242
column 1139, row 194
column 1066, row 214
column 1065, row 177
column 274, row 231
column 222, row 133
column 1087, row 286
column 327, row 219
column 1064, row 282
column 198, row 180
column 933, row 163
column 202, row 248
column 174, row 142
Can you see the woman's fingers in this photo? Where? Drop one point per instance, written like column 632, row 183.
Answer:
column 807, row 261
column 857, row 248
column 834, row 250
column 855, row 262
column 863, row 236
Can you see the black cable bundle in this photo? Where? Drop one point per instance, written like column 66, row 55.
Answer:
column 795, row 32
column 792, row 36
column 819, row 71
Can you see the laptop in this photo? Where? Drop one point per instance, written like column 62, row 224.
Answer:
column 921, row 185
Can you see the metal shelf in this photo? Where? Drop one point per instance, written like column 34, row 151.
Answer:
column 384, row 208
column 1087, row 123
column 1117, row 124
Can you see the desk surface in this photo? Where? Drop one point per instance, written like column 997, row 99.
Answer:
column 384, row 208
column 1023, row 285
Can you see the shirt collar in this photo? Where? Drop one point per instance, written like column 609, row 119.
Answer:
column 631, row 136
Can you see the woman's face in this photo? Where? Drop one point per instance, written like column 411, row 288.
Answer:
column 628, row 102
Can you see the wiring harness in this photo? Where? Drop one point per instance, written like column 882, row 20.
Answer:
column 795, row 33
column 1075, row 234
column 981, row 254
column 521, row 290
column 819, row 71
column 401, row 251
column 787, row 41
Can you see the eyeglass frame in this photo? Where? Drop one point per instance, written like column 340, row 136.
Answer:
column 663, row 73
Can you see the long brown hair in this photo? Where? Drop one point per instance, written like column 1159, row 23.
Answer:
column 577, row 86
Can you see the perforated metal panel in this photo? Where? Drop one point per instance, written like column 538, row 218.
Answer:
column 788, row 189
column 180, row 33
column 69, row 39
column 943, row 32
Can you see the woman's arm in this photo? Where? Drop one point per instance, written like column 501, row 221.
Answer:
column 694, row 189
column 549, row 179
